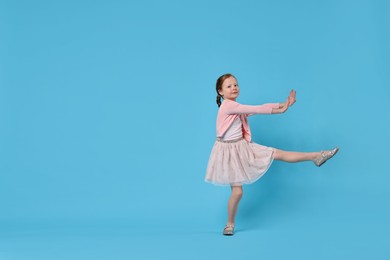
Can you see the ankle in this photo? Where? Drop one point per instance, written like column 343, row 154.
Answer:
column 316, row 155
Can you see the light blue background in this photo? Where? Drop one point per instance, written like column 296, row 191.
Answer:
column 108, row 111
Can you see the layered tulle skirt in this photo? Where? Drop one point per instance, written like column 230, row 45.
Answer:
column 238, row 162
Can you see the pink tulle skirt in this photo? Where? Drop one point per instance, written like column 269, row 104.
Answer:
column 239, row 162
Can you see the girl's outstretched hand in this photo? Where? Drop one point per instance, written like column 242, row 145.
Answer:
column 292, row 98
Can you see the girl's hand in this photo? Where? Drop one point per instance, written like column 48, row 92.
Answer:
column 284, row 106
column 292, row 98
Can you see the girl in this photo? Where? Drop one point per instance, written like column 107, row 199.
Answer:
column 234, row 159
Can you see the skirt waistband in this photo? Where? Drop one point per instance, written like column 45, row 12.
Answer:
column 229, row 141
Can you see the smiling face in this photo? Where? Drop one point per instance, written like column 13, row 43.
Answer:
column 229, row 89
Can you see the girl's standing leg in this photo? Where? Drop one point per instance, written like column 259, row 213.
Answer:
column 233, row 204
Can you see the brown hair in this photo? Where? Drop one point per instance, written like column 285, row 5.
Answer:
column 220, row 81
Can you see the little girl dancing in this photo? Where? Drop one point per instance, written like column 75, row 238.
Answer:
column 234, row 159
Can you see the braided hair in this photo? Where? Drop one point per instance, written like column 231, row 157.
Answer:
column 219, row 100
column 220, row 81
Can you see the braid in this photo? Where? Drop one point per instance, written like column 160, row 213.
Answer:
column 219, row 100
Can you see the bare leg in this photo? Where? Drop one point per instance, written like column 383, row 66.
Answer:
column 233, row 203
column 288, row 156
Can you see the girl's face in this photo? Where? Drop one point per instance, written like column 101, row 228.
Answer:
column 230, row 89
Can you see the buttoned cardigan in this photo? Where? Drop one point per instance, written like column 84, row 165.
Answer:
column 230, row 110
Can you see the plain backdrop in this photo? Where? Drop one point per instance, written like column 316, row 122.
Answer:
column 107, row 120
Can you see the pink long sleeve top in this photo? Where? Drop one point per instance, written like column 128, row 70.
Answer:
column 230, row 110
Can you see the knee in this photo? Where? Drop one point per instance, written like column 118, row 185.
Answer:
column 237, row 193
column 277, row 154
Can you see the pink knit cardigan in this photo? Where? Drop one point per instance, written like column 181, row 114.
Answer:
column 230, row 110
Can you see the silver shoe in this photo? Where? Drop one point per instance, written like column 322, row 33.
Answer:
column 325, row 155
column 228, row 230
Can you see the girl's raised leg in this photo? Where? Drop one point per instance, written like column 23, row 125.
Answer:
column 318, row 158
column 289, row 156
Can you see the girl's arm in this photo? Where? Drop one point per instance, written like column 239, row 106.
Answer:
column 276, row 105
column 236, row 108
